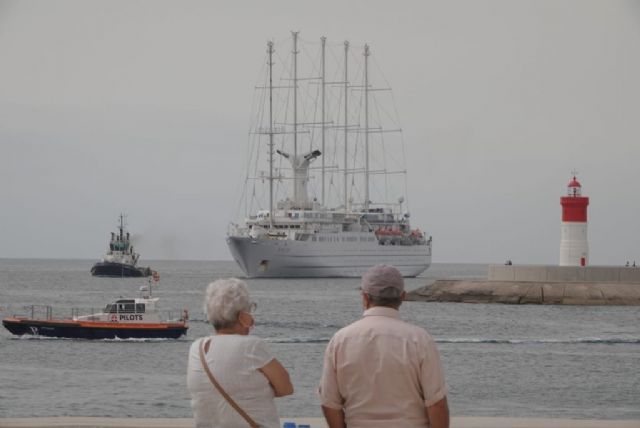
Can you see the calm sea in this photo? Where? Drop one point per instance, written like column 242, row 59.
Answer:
column 500, row 360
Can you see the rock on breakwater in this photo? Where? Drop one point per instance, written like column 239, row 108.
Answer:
column 524, row 292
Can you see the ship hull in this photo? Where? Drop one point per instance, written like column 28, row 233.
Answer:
column 80, row 330
column 274, row 258
column 119, row 270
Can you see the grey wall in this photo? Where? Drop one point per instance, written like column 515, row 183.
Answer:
column 563, row 273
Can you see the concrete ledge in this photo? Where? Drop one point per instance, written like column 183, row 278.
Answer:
column 529, row 292
column 456, row 422
column 547, row 273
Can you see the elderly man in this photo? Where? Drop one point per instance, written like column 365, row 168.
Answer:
column 381, row 371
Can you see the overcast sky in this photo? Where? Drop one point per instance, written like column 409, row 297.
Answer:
column 143, row 107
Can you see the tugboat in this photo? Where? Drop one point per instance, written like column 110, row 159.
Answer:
column 135, row 318
column 120, row 260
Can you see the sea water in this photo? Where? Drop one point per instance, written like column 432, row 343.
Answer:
column 499, row 360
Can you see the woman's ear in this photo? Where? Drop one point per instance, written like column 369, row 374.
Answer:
column 245, row 319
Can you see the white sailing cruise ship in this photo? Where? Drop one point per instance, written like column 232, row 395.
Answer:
column 353, row 220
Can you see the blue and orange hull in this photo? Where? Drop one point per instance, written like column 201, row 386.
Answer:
column 94, row 330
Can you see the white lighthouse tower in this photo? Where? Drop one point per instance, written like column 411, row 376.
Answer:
column 574, row 248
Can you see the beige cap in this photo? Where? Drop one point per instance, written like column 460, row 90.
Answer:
column 382, row 281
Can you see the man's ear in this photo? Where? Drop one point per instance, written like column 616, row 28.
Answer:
column 365, row 300
column 403, row 296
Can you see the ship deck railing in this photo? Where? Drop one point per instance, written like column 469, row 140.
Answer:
column 49, row 313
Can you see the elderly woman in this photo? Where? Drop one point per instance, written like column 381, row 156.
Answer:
column 241, row 364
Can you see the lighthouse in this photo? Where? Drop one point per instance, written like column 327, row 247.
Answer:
column 574, row 248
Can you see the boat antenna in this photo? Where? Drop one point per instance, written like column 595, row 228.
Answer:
column 270, row 52
column 346, row 90
column 323, row 41
column 366, row 128
column 121, row 227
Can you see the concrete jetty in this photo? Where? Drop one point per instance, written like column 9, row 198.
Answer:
column 543, row 285
column 528, row 293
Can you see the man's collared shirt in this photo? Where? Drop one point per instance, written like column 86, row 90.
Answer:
column 382, row 371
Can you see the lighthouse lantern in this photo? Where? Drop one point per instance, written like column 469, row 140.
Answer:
column 574, row 188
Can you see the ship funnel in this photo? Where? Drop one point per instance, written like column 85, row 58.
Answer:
column 300, row 165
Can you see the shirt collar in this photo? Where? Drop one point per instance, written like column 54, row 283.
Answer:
column 382, row 311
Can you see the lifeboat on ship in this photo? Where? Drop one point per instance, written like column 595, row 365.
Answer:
column 383, row 235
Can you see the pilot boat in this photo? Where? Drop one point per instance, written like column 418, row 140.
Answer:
column 136, row 318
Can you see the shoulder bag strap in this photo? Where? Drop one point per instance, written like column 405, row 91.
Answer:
column 222, row 392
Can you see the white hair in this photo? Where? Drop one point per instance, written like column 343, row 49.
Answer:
column 224, row 299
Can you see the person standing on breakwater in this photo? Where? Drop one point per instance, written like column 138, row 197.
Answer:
column 248, row 377
column 381, row 371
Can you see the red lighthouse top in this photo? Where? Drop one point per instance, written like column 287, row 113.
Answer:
column 574, row 188
column 574, row 182
column 574, row 205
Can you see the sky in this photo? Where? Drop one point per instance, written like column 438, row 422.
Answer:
column 143, row 107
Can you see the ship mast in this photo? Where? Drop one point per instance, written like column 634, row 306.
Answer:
column 323, row 41
column 366, row 128
column 295, row 51
column 270, row 51
column 346, row 89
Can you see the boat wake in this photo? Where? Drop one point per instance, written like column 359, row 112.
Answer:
column 585, row 340
column 297, row 325
column 298, row 340
column 300, row 325
column 155, row 339
column 325, row 339
column 473, row 340
column 117, row 339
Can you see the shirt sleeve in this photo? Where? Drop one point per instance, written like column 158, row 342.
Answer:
column 328, row 389
column 259, row 354
column 432, row 375
column 190, row 364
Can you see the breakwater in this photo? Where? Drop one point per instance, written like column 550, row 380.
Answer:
column 529, row 292
column 541, row 285
column 546, row 273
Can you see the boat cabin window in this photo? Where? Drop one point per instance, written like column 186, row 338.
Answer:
column 123, row 306
column 126, row 307
column 118, row 246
